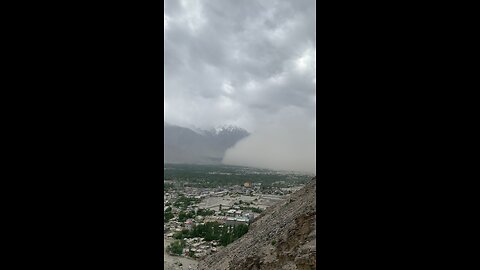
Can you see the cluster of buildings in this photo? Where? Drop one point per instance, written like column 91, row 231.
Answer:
column 200, row 247
column 231, row 207
column 231, row 216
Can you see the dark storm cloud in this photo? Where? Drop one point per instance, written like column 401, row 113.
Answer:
column 245, row 63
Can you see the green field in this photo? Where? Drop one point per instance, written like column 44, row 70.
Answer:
column 224, row 175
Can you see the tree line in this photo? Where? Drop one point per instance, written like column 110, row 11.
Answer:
column 211, row 231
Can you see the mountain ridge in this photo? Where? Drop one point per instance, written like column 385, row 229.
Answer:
column 188, row 146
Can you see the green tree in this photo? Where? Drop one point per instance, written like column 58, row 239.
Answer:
column 176, row 247
column 168, row 216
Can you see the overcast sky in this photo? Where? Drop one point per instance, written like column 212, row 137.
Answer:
column 240, row 62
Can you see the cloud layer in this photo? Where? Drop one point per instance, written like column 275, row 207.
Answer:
column 241, row 63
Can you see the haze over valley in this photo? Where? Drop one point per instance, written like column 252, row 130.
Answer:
column 284, row 146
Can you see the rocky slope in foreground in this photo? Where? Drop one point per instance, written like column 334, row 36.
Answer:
column 283, row 237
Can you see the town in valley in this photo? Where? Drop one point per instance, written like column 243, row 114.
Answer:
column 207, row 207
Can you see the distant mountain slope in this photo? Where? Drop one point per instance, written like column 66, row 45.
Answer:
column 283, row 237
column 184, row 145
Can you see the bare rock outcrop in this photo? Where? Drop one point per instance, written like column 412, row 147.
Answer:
column 284, row 237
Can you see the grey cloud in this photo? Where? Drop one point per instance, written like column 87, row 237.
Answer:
column 239, row 62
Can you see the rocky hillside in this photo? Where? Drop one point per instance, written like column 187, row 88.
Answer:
column 283, row 237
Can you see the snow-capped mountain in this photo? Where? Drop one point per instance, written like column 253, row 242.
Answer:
column 227, row 129
column 185, row 145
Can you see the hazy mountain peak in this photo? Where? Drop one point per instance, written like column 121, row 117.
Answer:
column 228, row 129
column 198, row 146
